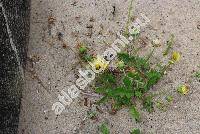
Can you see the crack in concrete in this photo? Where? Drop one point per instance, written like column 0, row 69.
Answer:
column 11, row 41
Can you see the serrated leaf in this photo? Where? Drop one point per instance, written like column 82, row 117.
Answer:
column 153, row 76
column 124, row 57
column 120, row 91
column 138, row 93
column 127, row 81
column 120, row 101
column 108, row 77
column 111, row 78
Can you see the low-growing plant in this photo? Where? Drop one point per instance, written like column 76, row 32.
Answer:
column 136, row 131
column 164, row 104
column 131, row 81
column 104, row 129
column 197, row 74
column 83, row 53
column 92, row 115
column 183, row 89
column 132, row 78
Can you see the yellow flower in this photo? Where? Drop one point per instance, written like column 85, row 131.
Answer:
column 183, row 89
column 99, row 63
column 176, row 56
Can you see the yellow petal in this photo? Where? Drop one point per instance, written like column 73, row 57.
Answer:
column 176, row 56
column 100, row 63
column 183, row 89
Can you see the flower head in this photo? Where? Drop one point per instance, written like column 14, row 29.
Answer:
column 183, row 89
column 99, row 64
column 176, row 56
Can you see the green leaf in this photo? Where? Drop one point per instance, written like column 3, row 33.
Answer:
column 120, row 101
column 107, row 77
column 135, row 76
column 104, row 129
column 87, row 57
column 148, row 103
column 131, row 74
column 141, row 64
column 160, row 105
column 135, row 114
column 120, row 91
column 102, row 100
column 124, row 57
column 136, row 131
column 169, row 98
column 101, row 90
column 82, row 49
column 138, row 93
column 153, row 76
column 127, row 81
column 111, row 78
column 197, row 74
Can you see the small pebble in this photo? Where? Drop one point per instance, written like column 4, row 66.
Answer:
column 198, row 26
column 60, row 36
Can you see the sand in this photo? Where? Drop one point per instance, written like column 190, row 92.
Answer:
column 55, row 63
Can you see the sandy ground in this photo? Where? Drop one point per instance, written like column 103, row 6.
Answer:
column 54, row 63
